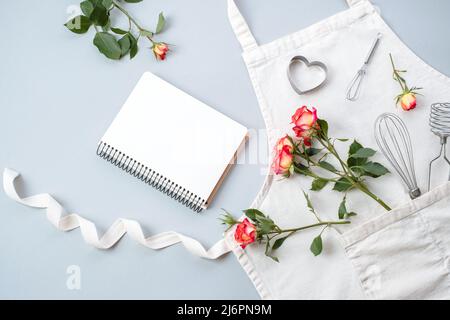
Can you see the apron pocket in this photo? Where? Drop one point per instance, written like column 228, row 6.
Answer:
column 404, row 253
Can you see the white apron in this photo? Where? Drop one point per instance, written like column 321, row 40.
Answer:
column 402, row 254
column 382, row 255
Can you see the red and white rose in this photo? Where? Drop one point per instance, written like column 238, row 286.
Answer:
column 305, row 123
column 245, row 233
column 160, row 50
column 284, row 156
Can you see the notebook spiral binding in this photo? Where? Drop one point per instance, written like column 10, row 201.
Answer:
column 151, row 177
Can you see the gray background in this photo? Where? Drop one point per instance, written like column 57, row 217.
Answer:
column 57, row 97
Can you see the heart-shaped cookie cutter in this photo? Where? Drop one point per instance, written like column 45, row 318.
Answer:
column 308, row 64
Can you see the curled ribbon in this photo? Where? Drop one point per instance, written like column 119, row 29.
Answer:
column 67, row 222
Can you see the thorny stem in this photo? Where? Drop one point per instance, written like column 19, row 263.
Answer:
column 364, row 189
column 131, row 19
column 397, row 76
column 323, row 223
column 125, row 12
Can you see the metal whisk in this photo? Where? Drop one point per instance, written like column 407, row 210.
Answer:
column 393, row 139
column 354, row 88
column 440, row 126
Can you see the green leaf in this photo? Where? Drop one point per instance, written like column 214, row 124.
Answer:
column 79, row 24
column 351, row 214
column 253, row 213
column 228, row 220
column 99, row 15
column 374, row 169
column 354, row 147
column 301, row 169
column 161, row 23
column 125, row 44
column 87, row 7
column 327, row 166
column 278, row 242
column 108, row 45
column 107, row 3
column 133, row 1
column 134, row 46
column 316, row 245
column 118, row 31
column 107, row 26
column 312, row 151
column 272, row 257
column 342, row 212
column 323, row 127
column 342, row 140
column 265, row 224
column 318, row 184
column 363, row 153
column 308, row 201
column 146, row 33
column 342, row 185
column 133, row 51
column 354, row 161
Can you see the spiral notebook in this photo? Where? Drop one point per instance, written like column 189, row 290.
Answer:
column 173, row 142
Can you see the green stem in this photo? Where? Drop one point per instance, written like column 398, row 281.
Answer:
column 312, row 174
column 331, row 149
column 397, row 76
column 125, row 12
column 323, row 223
column 366, row 190
column 351, row 177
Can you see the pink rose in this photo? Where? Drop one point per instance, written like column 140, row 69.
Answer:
column 160, row 50
column 305, row 122
column 284, row 156
column 245, row 233
column 408, row 101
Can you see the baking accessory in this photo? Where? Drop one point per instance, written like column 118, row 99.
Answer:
column 313, row 64
column 440, row 126
column 393, row 139
column 355, row 85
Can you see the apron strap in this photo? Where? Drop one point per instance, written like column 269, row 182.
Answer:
column 242, row 30
column 240, row 27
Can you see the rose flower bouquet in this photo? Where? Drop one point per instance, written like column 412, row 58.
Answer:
column 310, row 148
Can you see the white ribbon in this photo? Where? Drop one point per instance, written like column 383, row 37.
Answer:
column 66, row 222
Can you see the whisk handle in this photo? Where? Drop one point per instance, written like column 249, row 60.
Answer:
column 372, row 48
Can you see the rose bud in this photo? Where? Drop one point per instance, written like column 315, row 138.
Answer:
column 284, row 156
column 245, row 233
column 160, row 50
column 408, row 101
column 305, row 122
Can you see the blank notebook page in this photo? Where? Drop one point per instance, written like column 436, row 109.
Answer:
column 175, row 135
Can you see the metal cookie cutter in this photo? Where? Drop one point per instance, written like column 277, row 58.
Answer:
column 308, row 64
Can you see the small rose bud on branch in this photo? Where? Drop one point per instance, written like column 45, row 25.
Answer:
column 97, row 13
column 407, row 98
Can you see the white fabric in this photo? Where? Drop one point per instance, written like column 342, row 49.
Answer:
column 405, row 253
column 341, row 42
column 56, row 215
